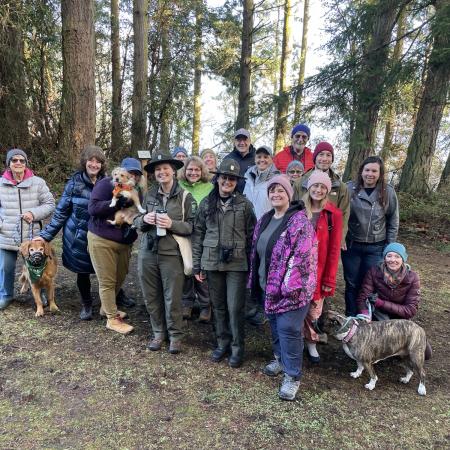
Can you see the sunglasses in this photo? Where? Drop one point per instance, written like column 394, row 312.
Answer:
column 292, row 172
column 18, row 160
column 300, row 136
column 229, row 177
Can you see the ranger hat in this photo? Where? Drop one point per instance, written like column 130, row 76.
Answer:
column 163, row 158
column 229, row 167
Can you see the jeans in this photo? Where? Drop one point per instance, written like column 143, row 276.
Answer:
column 357, row 260
column 7, row 273
column 287, row 339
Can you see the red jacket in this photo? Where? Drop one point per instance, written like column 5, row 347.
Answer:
column 329, row 249
column 283, row 158
column 400, row 302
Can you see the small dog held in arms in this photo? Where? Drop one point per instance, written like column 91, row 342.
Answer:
column 368, row 343
column 125, row 186
column 39, row 271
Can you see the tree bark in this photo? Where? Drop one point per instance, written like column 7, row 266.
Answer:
column 140, row 68
column 301, row 72
column 243, row 116
column 391, row 108
column 77, row 124
column 416, row 170
column 444, row 183
column 371, row 85
column 281, row 124
column 197, row 77
column 116, row 106
column 165, row 80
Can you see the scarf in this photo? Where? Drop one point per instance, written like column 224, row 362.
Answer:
column 393, row 279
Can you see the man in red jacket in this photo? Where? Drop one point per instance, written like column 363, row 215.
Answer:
column 297, row 150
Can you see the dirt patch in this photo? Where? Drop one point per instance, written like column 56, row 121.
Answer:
column 65, row 383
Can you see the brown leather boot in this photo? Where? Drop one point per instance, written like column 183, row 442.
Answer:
column 117, row 324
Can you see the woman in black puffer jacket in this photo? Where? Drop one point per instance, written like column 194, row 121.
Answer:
column 72, row 215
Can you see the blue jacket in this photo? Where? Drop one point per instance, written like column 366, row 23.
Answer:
column 72, row 215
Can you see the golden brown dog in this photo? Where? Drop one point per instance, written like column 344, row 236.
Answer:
column 39, row 272
column 125, row 186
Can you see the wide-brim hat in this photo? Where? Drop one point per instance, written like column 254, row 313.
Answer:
column 162, row 158
column 229, row 167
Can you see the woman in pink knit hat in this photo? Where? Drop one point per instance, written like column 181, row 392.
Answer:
column 327, row 221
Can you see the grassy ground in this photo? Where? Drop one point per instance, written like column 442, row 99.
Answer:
column 71, row 384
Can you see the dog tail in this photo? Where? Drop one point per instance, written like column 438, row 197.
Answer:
column 428, row 351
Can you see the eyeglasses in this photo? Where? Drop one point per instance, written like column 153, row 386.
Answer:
column 300, row 136
column 292, row 172
column 229, row 177
column 18, row 160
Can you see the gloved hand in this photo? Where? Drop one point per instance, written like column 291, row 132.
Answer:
column 123, row 202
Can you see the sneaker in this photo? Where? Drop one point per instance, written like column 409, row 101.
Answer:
column 219, row 353
column 118, row 325
column 175, row 347
column 155, row 344
column 273, row 368
column 288, row 389
column 205, row 315
column 123, row 315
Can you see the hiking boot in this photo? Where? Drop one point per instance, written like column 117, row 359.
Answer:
column 219, row 353
column 86, row 310
column 122, row 314
column 155, row 344
column 187, row 312
column 235, row 361
column 258, row 319
column 205, row 315
column 123, row 300
column 117, row 324
column 175, row 347
column 273, row 369
column 289, row 387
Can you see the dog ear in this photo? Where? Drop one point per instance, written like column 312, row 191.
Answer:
column 24, row 248
column 48, row 250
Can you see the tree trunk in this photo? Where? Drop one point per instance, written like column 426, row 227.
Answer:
column 140, row 67
column 281, row 125
column 301, row 72
column 77, row 124
column 416, row 170
column 371, row 85
column 243, row 116
column 197, row 77
column 444, row 183
column 116, row 106
column 165, row 80
column 391, row 108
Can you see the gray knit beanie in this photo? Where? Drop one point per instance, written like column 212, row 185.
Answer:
column 14, row 152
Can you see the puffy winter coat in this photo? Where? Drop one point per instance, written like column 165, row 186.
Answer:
column 287, row 155
column 292, row 267
column 400, row 302
column 256, row 188
column 329, row 234
column 72, row 215
column 33, row 195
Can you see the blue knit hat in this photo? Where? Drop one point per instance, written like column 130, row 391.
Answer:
column 301, row 127
column 177, row 150
column 396, row 248
column 131, row 164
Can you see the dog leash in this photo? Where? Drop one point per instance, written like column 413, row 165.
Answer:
column 19, row 228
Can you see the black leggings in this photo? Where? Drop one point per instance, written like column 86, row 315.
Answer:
column 84, row 285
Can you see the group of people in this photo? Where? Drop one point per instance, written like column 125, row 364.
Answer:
column 257, row 237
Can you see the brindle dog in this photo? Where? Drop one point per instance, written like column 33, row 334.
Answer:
column 368, row 343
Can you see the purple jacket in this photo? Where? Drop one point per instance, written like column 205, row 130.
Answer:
column 400, row 302
column 292, row 271
column 100, row 211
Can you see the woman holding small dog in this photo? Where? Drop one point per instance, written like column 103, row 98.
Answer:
column 25, row 200
column 283, row 275
column 327, row 222
column 373, row 224
column 221, row 247
column 170, row 212
column 194, row 178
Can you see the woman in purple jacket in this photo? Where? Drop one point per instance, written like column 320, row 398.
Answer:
column 283, row 273
column 391, row 288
